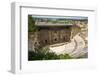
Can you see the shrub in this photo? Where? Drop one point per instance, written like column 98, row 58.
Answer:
column 42, row 53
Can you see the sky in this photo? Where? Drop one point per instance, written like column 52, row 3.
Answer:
column 60, row 17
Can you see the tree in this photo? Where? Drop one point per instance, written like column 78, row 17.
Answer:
column 31, row 24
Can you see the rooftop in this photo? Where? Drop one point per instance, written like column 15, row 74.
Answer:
column 52, row 24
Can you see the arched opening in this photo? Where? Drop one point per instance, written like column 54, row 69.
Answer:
column 46, row 41
column 55, row 39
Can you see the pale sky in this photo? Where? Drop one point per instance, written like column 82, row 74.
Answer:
column 60, row 17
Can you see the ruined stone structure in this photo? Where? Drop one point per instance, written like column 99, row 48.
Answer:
column 52, row 35
column 49, row 35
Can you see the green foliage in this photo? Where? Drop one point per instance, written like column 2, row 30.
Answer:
column 54, row 22
column 31, row 24
column 64, row 56
column 43, row 53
